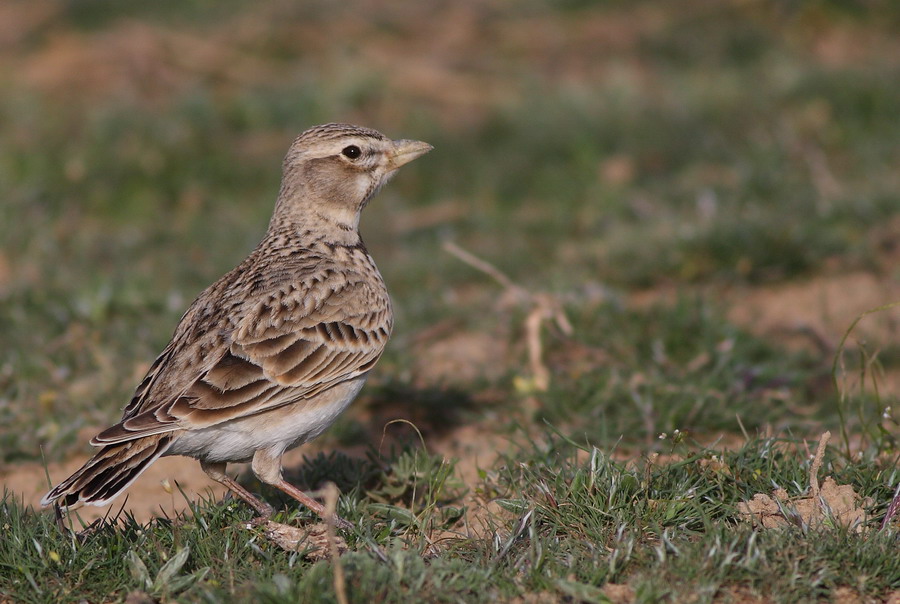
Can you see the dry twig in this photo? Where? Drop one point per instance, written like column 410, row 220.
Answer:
column 544, row 307
column 487, row 268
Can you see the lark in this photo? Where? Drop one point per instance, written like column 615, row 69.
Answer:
column 267, row 357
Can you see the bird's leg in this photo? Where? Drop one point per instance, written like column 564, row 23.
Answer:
column 216, row 471
column 311, row 503
column 267, row 468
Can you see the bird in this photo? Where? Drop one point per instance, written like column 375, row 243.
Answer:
column 267, row 357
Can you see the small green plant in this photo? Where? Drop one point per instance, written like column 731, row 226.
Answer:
column 863, row 412
column 168, row 581
column 418, row 493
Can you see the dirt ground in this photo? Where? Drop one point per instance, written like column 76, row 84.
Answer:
column 155, row 493
column 816, row 313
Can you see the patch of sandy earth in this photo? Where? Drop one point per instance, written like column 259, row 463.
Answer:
column 811, row 314
column 825, row 305
column 474, row 448
column 817, row 313
column 147, row 497
column 155, row 493
column 461, row 359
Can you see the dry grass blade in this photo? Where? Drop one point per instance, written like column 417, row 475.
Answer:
column 331, row 499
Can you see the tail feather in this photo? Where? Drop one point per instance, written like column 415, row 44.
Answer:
column 109, row 472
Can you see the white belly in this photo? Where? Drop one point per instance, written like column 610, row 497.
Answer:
column 277, row 430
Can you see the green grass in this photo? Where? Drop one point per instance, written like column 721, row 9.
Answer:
column 681, row 367
column 591, row 151
column 576, row 521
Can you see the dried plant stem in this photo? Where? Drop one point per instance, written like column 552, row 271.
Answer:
column 544, row 307
column 539, row 371
column 817, row 463
column 485, row 267
column 331, row 499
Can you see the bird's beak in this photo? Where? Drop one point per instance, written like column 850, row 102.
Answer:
column 406, row 150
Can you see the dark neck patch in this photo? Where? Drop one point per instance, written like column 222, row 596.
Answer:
column 333, row 245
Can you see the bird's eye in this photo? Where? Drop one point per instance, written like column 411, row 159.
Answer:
column 351, row 151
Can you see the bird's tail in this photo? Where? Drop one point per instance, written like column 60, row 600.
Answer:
column 109, row 472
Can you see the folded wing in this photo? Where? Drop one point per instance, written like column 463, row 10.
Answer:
column 289, row 347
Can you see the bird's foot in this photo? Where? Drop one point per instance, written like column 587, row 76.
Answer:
column 262, row 508
column 341, row 523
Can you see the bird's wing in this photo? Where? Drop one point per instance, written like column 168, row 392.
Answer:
column 291, row 345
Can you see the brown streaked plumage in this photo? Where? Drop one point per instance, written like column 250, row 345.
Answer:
column 267, row 357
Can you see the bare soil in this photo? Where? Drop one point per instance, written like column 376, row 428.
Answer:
column 815, row 312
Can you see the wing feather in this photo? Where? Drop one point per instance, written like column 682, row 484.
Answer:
column 294, row 344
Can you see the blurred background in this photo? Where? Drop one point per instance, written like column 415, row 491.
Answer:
column 709, row 191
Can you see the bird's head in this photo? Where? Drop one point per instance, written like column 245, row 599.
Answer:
column 332, row 171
